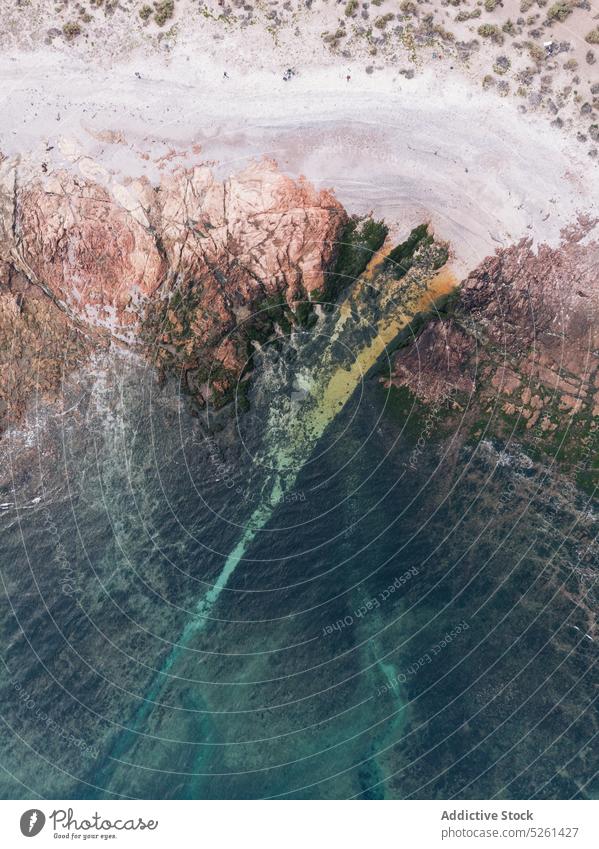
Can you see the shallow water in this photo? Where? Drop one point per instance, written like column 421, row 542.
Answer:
column 284, row 608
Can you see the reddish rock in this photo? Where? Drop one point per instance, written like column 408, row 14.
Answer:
column 177, row 266
column 436, row 362
column 525, row 317
column 257, row 229
column 258, row 237
column 86, row 248
column 256, row 234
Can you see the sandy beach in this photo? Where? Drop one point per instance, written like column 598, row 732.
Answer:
column 466, row 160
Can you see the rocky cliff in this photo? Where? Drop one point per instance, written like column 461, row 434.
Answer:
column 182, row 270
column 191, row 271
column 520, row 340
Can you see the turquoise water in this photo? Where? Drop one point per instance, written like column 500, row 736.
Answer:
column 186, row 616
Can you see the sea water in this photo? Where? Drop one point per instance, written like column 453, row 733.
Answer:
column 288, row 602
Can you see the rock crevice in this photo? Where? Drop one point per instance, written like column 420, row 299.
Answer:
column 167, row 268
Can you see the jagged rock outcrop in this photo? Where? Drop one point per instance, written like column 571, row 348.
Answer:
column 523, row 331
column 234, row 249
column 257, row 228
column 439, row 358
column 38, row 345
column 176, row 267
column 88, row 250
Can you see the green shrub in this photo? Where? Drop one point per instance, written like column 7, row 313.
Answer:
column 536, row 52
column 466, row 16
column 593, row 36
column 382, row 21
column 401, row 258
column 71, row 30
column 502, row 65
column 559, row 11
column 491, row 31
column 165, row 10
column 408, row 7
column 361, row 238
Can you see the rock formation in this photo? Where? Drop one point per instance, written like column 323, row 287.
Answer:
column 522, row 335
column 193, row 270
column 174, row 268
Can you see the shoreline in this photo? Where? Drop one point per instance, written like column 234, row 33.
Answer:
column 491, row 175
